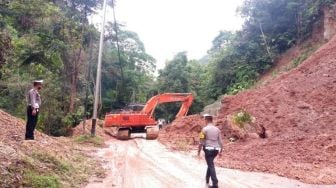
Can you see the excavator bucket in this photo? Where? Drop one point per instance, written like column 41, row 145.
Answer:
column 152, row 132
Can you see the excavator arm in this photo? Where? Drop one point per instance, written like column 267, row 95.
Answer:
column 185, row 106
column 143, row 121
column 185, row 98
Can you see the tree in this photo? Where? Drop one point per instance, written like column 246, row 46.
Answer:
column 130, row 78
column 180, row 76
column 270, row 28
column 49, row 42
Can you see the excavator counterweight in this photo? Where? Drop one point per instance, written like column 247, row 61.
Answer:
column 143, row 121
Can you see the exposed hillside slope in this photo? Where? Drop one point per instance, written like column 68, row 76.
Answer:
column 298, row 110
column 46, row 162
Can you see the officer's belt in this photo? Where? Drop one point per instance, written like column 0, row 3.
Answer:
column 211, row 148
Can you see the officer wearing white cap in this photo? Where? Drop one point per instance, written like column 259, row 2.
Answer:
column 211, row 142
column 34, row 104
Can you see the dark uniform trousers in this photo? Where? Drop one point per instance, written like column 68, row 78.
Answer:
column 31, row 123
column 210, row 155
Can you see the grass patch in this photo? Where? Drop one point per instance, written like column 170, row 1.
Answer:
column 298, row 60
column 96, row 141
column 35, row 180
column 53, row 161
column 275, row 73
column 51, row 170
column 48, row 170
column 50, row 166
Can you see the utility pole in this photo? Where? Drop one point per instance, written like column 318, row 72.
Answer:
column 98, row 78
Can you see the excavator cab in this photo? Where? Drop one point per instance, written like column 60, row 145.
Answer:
column 129, row 122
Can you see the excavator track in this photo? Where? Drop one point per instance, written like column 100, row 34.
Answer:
column 152, row 133
column 123, row 134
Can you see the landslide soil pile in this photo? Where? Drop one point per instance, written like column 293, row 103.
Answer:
column 182, row 133
column 45, row 162
column 298, row 111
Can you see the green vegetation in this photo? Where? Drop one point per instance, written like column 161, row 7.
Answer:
column 55, row 163
column 184, row 76
column 271, row 27
column 53, row 40
column 96, row 141
column 275, row 73
column 47, row 169
column 241, row 118
column 297, row 61
column 34, row 180
column 237, row 59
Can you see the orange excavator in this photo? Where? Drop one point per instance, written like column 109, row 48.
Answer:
column 143, row 121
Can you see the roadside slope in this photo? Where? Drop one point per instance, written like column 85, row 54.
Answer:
column 298, row 111
column 46, row 162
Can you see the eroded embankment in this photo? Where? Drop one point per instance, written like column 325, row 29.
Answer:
column 45, row 162
column 298, row 111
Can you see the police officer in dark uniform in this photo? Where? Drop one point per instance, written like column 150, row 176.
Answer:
column 34, row 104
column 211, row 143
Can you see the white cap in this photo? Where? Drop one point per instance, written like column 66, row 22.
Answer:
column 207, row 115
column 38, row 81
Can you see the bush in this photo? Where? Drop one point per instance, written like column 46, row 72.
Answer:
column 241, row 118
column 237, row 87
column 73, row 119
column 55, row 126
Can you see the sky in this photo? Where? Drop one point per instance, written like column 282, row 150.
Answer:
column 167, row 27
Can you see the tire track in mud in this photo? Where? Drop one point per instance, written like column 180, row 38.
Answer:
column 159, row 164
column 140, row 163
column 144, row 171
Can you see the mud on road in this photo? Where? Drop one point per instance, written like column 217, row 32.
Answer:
column 140, row 163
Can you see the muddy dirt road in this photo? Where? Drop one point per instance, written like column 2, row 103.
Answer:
column 140, row 163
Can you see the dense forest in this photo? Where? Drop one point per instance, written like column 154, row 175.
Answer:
column 54, row 41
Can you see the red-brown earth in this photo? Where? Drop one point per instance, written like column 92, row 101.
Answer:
column 298, row 111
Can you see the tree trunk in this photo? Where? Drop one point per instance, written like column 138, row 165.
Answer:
column 74, row 78
column 265, row 41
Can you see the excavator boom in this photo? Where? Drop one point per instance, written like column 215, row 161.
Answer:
column 143, row 120
column 185, row 98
